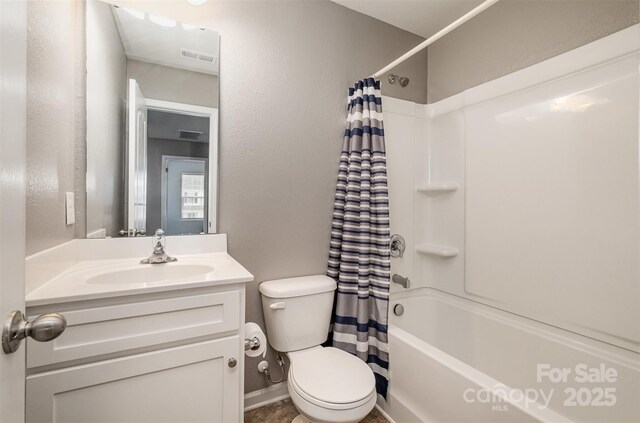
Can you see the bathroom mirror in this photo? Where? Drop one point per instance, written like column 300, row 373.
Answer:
column 152, row 124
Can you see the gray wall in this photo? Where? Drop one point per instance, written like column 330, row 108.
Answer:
column 514, row 34
column 257, row 50
column 283, row 90
column 171, row 84
column 55, row 121
column 285, row 69
column 156, row 148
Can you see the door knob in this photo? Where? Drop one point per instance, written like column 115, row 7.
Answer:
column 233, row 362
column 43, row 328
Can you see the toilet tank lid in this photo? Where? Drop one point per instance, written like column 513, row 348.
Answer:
column 297, row 287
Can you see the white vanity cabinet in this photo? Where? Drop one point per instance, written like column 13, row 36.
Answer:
column 173, row 356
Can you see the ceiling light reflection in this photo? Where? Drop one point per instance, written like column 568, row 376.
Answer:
column 169, row 23
column 134, row 13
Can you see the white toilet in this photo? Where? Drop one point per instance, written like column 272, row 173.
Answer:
column 327, row 385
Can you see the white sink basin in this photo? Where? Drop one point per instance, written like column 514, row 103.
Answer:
column 89, row 269
column 151, row 273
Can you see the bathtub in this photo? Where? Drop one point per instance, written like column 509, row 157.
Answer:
column 455, row 360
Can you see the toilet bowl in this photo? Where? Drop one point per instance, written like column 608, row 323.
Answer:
column 327, row 385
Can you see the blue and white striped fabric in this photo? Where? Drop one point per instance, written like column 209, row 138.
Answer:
column 359, row 256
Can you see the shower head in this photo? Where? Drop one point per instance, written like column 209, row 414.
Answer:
column 402, row 80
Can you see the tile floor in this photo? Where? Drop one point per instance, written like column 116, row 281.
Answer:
column 284, row 411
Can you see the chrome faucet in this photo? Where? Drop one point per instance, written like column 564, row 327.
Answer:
column 159, row 255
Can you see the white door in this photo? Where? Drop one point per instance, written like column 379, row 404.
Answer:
column 13, row 71
column 136, row 160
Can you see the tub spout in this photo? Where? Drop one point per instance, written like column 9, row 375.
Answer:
column 401, row 280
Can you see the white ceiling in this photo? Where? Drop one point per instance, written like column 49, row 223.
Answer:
column 421, row 17
column 147, row 41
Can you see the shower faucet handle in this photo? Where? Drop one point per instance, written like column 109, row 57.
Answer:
column 397, row 245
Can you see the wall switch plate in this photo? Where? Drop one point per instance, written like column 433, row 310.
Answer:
column 70, row 208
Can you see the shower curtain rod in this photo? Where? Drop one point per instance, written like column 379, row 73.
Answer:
column 444, row 31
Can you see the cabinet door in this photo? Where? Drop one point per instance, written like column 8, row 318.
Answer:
column 190, row 383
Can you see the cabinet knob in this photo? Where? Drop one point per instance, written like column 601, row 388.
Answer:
column 233, row 362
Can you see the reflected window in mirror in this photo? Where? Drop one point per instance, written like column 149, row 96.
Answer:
column 152, row 124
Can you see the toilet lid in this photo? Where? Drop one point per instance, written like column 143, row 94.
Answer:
column 332, row 375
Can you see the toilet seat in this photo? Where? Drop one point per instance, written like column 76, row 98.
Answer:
column 331, row 378
column 327, row 405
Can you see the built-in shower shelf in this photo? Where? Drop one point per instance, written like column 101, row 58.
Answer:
column 437, row 250
column 438, row 188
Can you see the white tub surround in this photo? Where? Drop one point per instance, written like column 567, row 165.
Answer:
column 545, row 217
column 165, row 340
column 520, row 210
column 469, row 352
column 406, row 123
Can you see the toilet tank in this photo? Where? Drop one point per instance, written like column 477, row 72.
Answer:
column 297, row 311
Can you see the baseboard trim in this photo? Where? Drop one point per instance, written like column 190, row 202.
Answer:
column 266, row 396
column 384, row 414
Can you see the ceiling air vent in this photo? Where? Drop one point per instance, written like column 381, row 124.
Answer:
column 199, row 56
column 184, row 135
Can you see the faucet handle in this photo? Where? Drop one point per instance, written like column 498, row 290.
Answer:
column 159, row 241
column 159, row 255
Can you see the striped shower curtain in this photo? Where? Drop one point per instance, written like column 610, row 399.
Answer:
column 359, row 256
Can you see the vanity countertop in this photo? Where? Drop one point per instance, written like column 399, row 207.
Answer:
column 94, row 279
column 85, row 269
